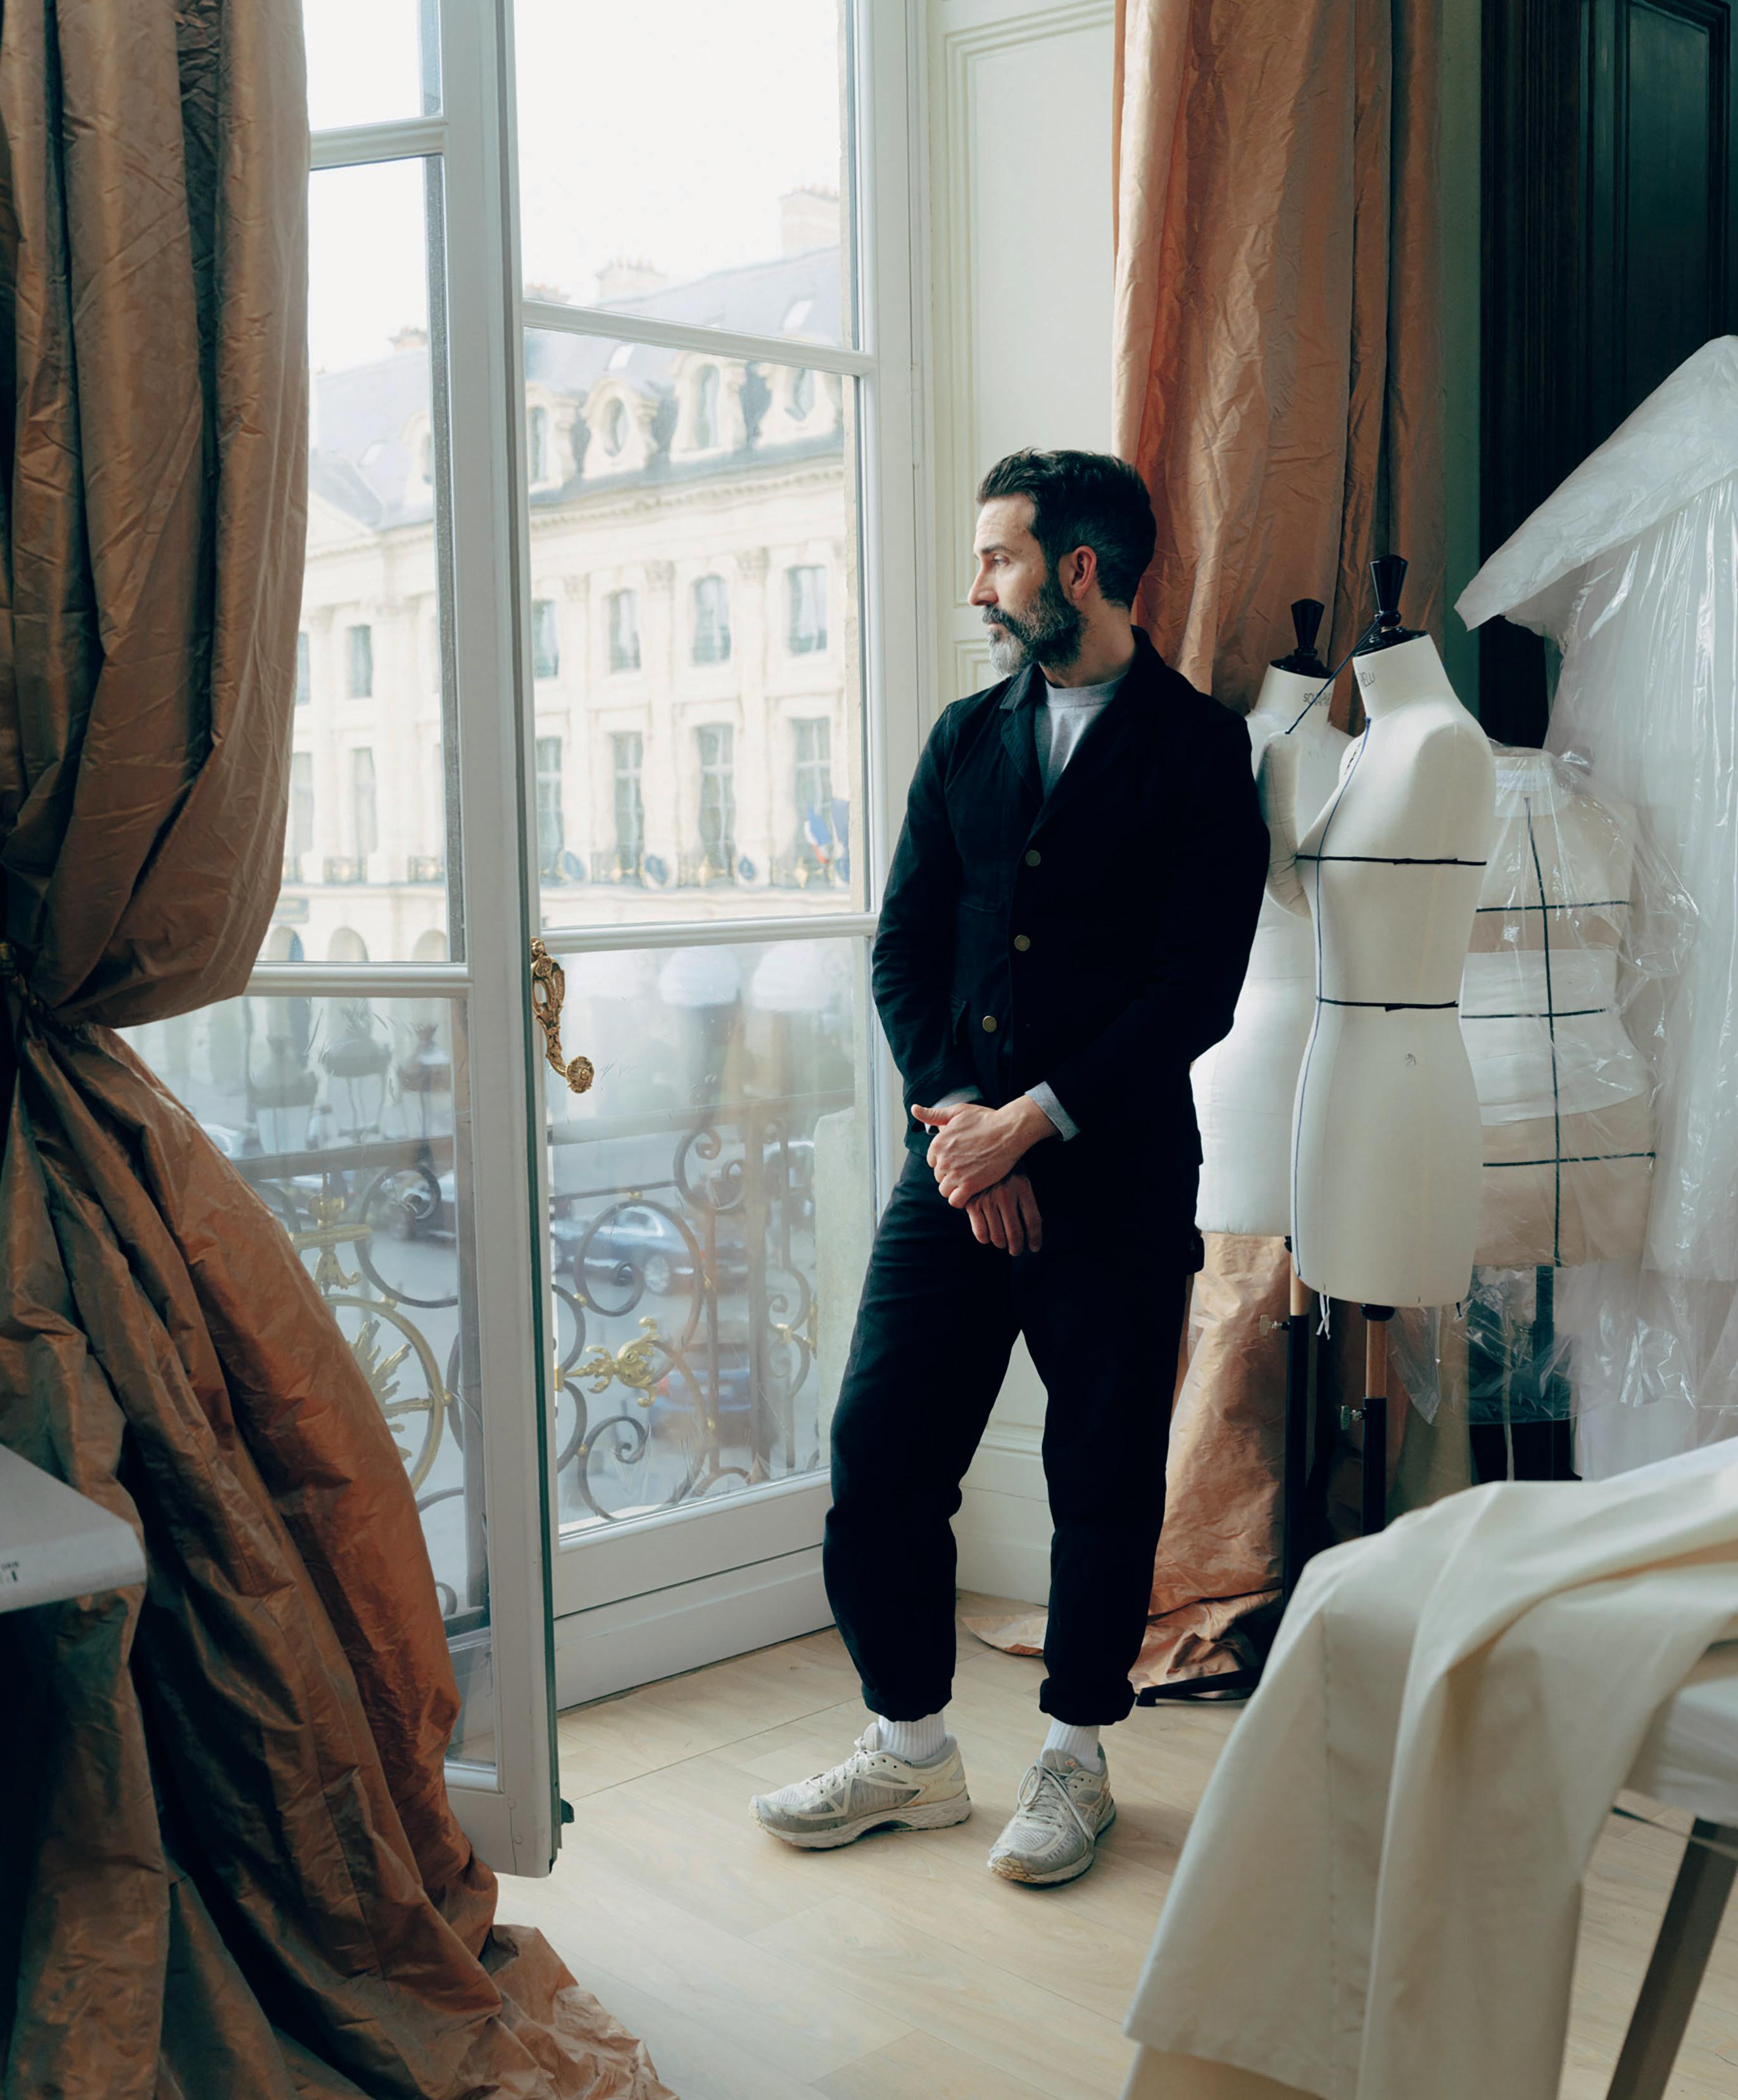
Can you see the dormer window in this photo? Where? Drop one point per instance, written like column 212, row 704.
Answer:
column 616, row 428
column 537, row 444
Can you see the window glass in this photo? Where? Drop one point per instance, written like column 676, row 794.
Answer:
column 370, row 65
column 371, row 674
column 716, row 858
column 550, row 835
column 807, row 601
column 545, row 641
column 719, row 592
column 712, row 620
column 365, row 813
column 675, row 164
column 625, row 863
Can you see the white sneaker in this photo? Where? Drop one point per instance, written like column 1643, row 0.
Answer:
column 871, row 1789
column 1065, row 1808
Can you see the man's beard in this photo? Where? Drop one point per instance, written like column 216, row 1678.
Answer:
column 1050, row 633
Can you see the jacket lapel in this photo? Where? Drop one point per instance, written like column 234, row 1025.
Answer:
column 1019, row 704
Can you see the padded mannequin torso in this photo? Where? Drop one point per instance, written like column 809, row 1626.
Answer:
column 1386, row 1146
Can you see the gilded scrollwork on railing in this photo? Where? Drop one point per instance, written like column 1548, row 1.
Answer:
column 686, row 1310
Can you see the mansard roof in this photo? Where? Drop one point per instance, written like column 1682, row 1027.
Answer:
column 368, row 418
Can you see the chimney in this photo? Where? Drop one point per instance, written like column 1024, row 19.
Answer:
column 411, row 338
column 627, row 277
column 808, row 217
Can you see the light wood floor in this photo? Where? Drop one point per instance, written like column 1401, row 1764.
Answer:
column 898, row 1968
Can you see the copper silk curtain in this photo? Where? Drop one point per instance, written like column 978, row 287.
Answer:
column 1276, row 377
column 1276, row 372
column 228, row 1866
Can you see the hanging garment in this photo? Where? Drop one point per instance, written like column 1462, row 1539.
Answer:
column 1379, row 1898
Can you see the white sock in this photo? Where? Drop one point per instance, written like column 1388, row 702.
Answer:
column 916, row 1741
column 1081, row 1743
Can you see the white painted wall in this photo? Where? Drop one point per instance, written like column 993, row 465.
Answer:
column 1021, row 276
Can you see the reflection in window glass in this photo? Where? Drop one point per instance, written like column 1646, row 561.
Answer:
column 370, row 604
column 818, row 852
column 347, row 1117
column 726, row 121
column 715, row 589
column 710, row 1219
column 304, row 670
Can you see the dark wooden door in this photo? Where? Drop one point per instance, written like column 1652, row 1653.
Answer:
column 1611, row 252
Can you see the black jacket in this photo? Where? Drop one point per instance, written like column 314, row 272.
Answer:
column 1096, row 938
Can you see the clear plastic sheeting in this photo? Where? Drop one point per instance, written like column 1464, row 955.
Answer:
column 1631, row 568
column 1579, row 939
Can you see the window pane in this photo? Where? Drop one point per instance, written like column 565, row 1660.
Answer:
column 704, row 141
column 712, row 1209
column 713, row 592
column 368, row 664
column 349, row 1118
column 372, row 64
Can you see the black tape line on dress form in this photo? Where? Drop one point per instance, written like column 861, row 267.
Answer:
column 1550, row 1024
column 1327, row 684
column 1392, row 860
column 1572, row 1159
column 1394, row 1005
column 1585, row 904
column 1568, row 1013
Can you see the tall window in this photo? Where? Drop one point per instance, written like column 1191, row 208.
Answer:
column 706, row 409
column 537, row 444
column 630, row 812
column 304, row 671
column 716, row 745
column 358, row 656
column 818, row 843
column 624, row 630
column 550, row 835
column 365, row 814
column 545, row 642
column 301, row 839
column 808, row 596
column 712, row 620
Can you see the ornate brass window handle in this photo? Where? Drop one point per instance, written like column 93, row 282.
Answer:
column 549, row 989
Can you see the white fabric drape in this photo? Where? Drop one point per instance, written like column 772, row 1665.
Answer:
column 1380, row 1895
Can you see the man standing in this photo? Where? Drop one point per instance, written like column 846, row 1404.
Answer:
column 1067, row 921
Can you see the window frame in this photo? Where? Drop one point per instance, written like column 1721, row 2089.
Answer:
column 479, row 312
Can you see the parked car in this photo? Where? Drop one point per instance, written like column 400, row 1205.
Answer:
column 642, row 1244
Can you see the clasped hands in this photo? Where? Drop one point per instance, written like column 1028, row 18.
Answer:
column 975, row 1154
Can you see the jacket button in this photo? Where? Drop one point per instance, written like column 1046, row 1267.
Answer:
column 990, row 1024
column 1021, row 942
column 1033, row 857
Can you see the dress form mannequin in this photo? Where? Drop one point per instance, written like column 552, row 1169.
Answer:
column 1565, row 1094
column 1245, row 1086
column 1386, row 1138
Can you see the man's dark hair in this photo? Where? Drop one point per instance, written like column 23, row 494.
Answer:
column 1083, row 500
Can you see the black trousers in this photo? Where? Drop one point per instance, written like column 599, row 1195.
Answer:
column 1101, row 1306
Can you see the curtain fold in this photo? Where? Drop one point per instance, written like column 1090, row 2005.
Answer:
column 229, row 1863
column 1276, row 374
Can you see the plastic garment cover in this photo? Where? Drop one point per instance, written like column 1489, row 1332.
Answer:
column 1631, row 568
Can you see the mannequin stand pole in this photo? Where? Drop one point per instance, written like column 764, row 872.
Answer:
column 1295, row 1546
column 1374, row 1416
